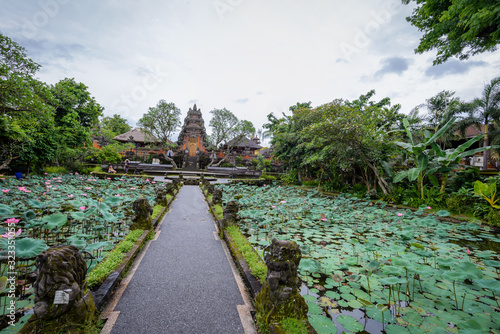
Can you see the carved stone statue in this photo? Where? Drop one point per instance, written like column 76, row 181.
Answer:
column 217, row 196
column 230, row 213
column 161, row 196
column 280, row 297
column 142, row 219
column 63, row 302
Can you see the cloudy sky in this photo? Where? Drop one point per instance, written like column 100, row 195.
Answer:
column 251, row 57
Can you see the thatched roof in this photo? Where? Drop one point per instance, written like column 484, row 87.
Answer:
column 137, row 136
column 244, row 143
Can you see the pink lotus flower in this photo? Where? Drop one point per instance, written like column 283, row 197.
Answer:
column 153, row 182
column 117, row 195
column 76, row 173
column 82, row 208
column 147, row 180
column 44, row 194
column 12, row 220
column 108, row 178
column 45, row 173
column 70, row 195
column 273, row 206
column 87, row 188
column 132, row 188
column 91, row 173
column 5, row 190
column 283, row 202
column 21, row 188
column 10, row 235
column 84, row 195
column 400, row 214
column 49, row 186
column 428, row 208
column 468, row 251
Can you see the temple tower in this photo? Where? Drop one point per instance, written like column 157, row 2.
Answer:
column 193, row 136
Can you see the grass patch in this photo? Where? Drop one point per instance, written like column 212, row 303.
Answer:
column 102, row 270
column 294, row 326
column 56, row 170
column 268, row 177
column 156, row 210
column 257, row 266
column 210, row 196
column 219, row 211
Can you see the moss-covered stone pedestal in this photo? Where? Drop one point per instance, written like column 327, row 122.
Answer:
column 63, row 303
column 142, row 219
column 280, row 298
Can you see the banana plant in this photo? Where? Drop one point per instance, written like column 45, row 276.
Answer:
column 420, row 153
column 448, row 160
column 488, row 192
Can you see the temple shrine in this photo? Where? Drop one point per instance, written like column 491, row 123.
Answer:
column 193, row 136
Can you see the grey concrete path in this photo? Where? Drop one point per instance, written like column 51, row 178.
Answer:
column 184, row 283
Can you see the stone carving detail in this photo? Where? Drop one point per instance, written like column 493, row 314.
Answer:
column 142, row 219
column 230, row 214
column 161, row 196
column 61, row 268
column 280, row 297
column 217, row 196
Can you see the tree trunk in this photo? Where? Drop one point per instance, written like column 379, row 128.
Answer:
column 381, row 182
column 486, row 142
column 7, row 162
column 174, row 165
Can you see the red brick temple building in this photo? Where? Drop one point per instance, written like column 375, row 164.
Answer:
column 193, row 136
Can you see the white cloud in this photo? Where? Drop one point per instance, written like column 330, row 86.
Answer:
column 261, row 57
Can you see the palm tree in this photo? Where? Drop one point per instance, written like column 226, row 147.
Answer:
column 484, row 111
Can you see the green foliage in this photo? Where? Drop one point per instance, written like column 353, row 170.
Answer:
column 56, row 170
column 109, row 153
column 114, row 126
column 161, row 121
column 219, row 211
column 456, row 203
column 494, row 217
column 255, row 262
column 456, row 28
column 102, row 270
column 294, row 326
column 289, row 178
column 156, row 210
column 488, row 192
column 268, row 177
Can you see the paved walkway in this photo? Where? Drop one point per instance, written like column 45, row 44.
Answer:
column 184, row 282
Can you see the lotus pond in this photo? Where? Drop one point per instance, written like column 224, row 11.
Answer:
column 90, row 213
column 369, row 269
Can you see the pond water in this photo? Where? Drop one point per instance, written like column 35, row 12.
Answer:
column 369, row 269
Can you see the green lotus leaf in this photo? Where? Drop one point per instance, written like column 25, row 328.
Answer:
column 309, row 265
column 314, row 308
column 113, row 200
column 3, row 283
column 492, row 263
column 383, row 315
column 78, row 215
column 5, row 210
column 391, row 280
column 36, row 204
column 493, row 285
column 80, row 244
column 55, row 220
column 349, row 323
column 109, row 217
column 28, row 215
column 97, row 245
column 27, row 248
column 322, row 324
column 442, row 213
column 395, row 329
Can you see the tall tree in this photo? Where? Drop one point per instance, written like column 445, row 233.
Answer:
column 161, row 121
column 458, row 28
column 228, row 130
column 26, row 119
column 484, row 112
column 114, row 126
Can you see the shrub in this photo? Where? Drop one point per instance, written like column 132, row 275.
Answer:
column 494, row 217
column 268, row 177
column 56, row 170
column 102, row 270
column 310, row 183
